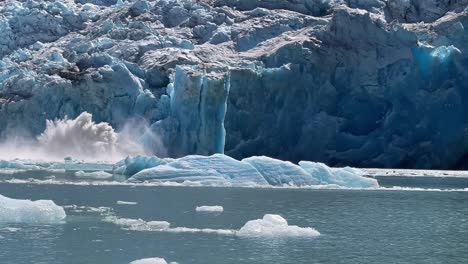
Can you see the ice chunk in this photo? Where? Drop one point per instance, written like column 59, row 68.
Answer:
column 346, row 177
column 217, row 166
column 278, row 172
column 168, row 173
column 93, row 175
column 26, row 211
column 138, row 224
column 151, row 261
column 133, row 165
column 272, row 225
column 207, row 208
column 17, row 164
column 224, row 165
column 126, row 203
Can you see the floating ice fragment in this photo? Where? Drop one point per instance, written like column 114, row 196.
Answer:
column 278, row 172
column 151, row 261
column 270, row 226
column 275, row 226
column 93, row 175
column 206, row 208
column 345, row 177
column 126, row 203
column 26, row 211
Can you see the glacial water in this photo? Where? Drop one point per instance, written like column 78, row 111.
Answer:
column 356, row 226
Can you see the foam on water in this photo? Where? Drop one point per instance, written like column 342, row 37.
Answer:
column 208, row 208
column 26, row 211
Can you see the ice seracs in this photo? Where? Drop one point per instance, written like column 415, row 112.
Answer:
column 32, row 212
column 361, row 82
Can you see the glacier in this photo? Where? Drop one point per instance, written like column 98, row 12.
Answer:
column 364, row 83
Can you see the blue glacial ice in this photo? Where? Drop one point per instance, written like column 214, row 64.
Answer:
column 358, row 83
column 26, row 211
column 220, row 169
column 349, row 177
column 277, row 172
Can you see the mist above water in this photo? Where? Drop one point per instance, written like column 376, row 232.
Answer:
column 80, row 138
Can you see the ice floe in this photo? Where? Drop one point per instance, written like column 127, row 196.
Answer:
column 269, row 226
column 208, row 208
column 151, row 261
column 26, row 211
column 126, row 203
column 272, row 225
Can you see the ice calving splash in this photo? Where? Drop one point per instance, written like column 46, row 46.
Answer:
column 80, row 138
column 26, row 211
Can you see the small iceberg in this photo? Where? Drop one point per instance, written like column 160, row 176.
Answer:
column 210, row 209
column 126, row 203
column 26, row 211
column 272, row 225
column 151, row 261
column 93, row 175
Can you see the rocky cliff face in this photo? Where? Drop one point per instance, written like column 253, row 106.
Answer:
column 347, row 82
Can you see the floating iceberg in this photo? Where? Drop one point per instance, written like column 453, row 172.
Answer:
column 275, row 226
column 93, row 175
column 211, row 209
column 26, row 211
column 220, row 169
column 126, row 203
column 151, row 261
column 271, row 225
column 347, row 177
column 277, row 172
column 217, row 167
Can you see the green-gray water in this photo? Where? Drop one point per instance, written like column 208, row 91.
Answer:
column 370, row 226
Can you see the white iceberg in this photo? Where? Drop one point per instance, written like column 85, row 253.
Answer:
column 126, row 203
column 272, row 225
column 212, row 209
column 93, row 175
column 26, row 211
column 151, row 261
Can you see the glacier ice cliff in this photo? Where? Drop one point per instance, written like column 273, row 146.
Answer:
column 371, row 83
